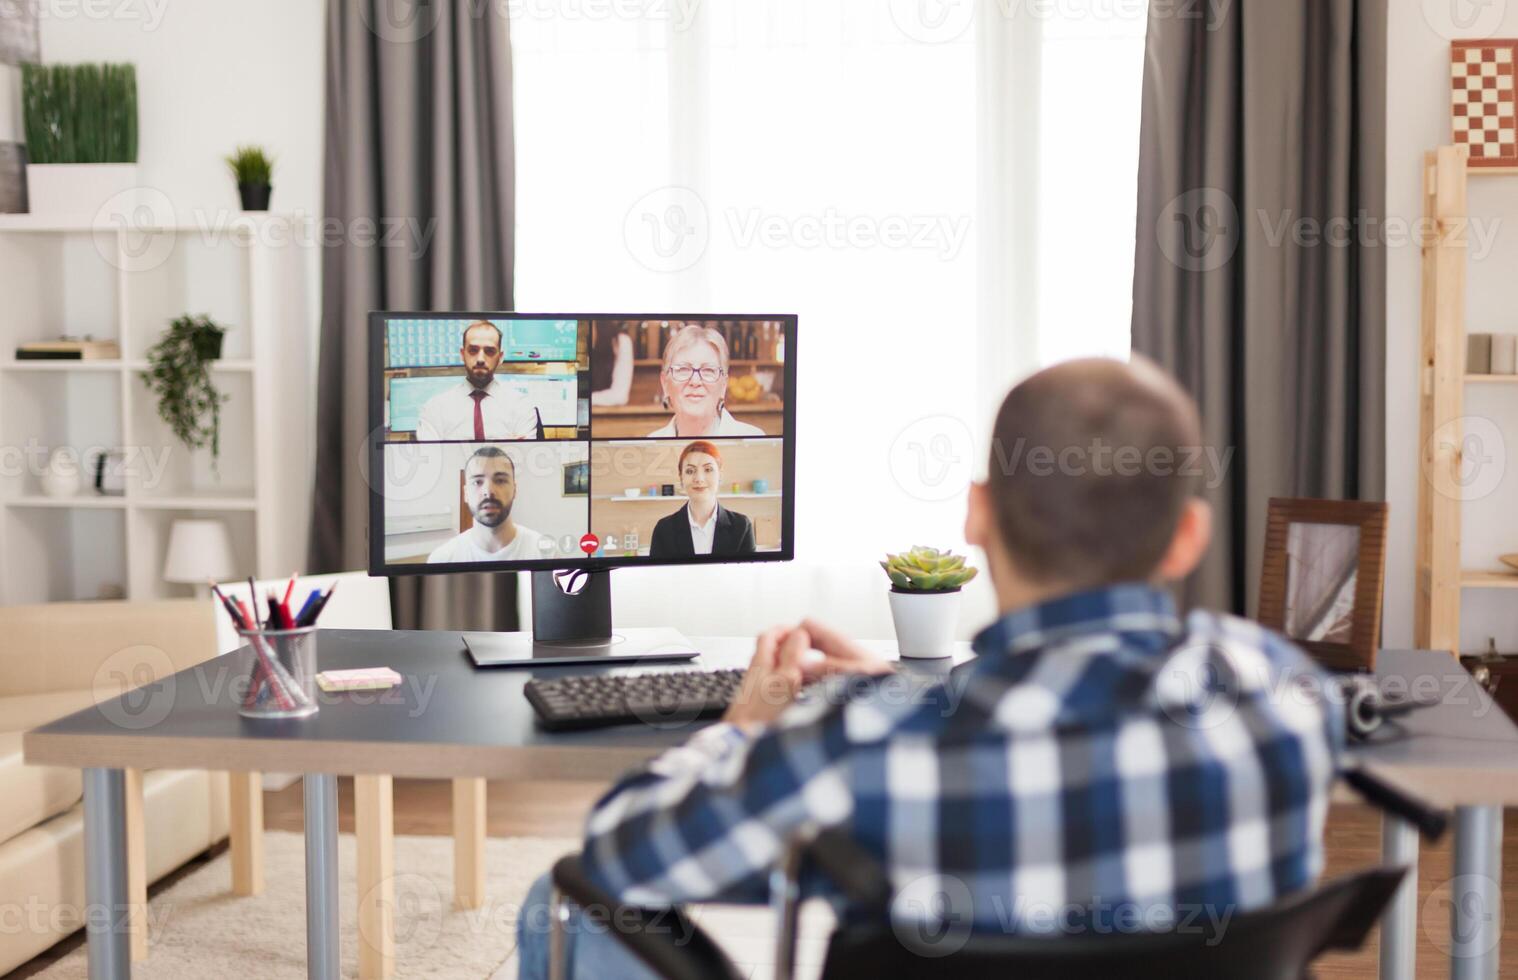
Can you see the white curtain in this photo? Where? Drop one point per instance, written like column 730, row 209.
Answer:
column 942, row 190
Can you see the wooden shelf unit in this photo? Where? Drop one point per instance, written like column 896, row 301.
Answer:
column 79, row 279
column 1440, row 581
column 1474, row 579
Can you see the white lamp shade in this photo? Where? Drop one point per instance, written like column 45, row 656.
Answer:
column 199, row 550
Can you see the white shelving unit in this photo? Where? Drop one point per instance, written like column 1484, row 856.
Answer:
column 126, row 284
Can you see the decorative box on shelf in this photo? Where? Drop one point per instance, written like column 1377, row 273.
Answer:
column 69, row 349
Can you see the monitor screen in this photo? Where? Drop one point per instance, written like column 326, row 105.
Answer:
column 508, row 441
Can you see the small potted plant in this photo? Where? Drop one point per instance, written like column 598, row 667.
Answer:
column 253, row 169
column 81, row 139
column 925, row 584
column 179, row 373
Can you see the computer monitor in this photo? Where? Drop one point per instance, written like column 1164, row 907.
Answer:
column 579, row 443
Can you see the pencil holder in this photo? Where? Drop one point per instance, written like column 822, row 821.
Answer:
column 281, row 682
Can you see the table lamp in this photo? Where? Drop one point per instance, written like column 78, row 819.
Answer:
column 199, row 551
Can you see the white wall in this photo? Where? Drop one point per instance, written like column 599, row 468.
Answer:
column 1418, row 119
column 211, row 74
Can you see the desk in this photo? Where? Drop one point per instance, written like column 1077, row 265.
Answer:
column 450, row 720
column 1462, row 753
column 447, row 719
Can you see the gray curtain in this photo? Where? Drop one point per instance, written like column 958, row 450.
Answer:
column 1259, row 280
column 419, row 199
column 18, row 45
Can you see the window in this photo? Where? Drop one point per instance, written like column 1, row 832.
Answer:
column 821, row 158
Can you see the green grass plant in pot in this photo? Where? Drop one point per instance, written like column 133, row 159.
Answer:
column 253, row 169
column 81, row 140
column 179, row 375
column 925, row 585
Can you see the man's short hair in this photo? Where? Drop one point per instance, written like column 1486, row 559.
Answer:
column 499, row 337
column 491, row 452
column 1092, row 463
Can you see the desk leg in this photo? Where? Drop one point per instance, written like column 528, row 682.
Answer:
column 374, row 826
column 105, row 875
column 1494, row 958
column 1475, row 895
column 1399, row 923
column 245, row 814
column 322, row 936
column 468, row 843
column 137, row 864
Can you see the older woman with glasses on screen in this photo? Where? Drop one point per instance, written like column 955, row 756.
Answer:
column 695, row 387
column 702, row 526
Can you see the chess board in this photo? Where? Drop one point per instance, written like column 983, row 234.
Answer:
column 1482, row 90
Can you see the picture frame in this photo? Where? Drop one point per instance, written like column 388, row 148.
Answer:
column 1323, row 577
column 577, row 479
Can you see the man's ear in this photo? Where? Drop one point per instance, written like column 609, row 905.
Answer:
column 1193, row 532
column 979, row 519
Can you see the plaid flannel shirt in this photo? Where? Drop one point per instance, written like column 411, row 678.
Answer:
column 1100, row 761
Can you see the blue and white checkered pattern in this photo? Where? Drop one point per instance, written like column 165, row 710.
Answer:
column 1098, row 759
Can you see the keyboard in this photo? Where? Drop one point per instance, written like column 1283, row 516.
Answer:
column 661, row 699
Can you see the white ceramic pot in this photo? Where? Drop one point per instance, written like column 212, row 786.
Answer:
column 82, row 193
column 925, row 622
column 62, row 477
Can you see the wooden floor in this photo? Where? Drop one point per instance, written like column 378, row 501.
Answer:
column 557, row 809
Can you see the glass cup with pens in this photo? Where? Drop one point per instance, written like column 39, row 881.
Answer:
column 281, row 681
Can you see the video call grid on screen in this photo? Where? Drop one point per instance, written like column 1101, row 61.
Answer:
column 588, row 423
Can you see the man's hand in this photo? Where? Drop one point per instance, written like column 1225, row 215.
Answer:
column 842, row 655
column 785, row 662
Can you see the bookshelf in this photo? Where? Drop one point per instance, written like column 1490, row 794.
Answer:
column 125, row 284
column 1441, row 583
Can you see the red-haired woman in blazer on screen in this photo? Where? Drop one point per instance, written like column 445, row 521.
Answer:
column 702, row 526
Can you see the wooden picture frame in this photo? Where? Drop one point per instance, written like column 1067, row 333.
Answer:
column 1305, row 579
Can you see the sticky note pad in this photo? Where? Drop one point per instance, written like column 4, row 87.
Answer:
column 361, row 679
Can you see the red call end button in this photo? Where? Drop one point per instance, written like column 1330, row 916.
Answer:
column 589, row 543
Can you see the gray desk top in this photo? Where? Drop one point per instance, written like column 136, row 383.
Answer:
column 449, row 718
column 1462, row 751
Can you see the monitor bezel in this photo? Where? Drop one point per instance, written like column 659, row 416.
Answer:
column 376, row 446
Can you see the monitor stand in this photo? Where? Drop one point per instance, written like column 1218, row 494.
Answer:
column 571, row 624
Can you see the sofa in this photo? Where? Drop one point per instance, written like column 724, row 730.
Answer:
column 57, row 659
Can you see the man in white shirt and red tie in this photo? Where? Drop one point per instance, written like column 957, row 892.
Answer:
column 480, row 407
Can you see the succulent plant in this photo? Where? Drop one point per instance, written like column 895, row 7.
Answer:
column 927, row 570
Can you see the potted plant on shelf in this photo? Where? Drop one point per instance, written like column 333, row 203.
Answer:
column 179, row 374
column 81, row 140
column 925, row 584
column 253, row 169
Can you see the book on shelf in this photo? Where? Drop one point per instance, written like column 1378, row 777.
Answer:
column 69, row 350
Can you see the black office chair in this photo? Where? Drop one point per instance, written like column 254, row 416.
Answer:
column 1275, row 943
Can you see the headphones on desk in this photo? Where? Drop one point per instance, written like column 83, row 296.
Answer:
column 1366, row 708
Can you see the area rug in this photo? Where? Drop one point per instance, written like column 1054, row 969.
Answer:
column 199, row 930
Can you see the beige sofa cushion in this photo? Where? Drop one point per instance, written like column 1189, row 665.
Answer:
column 108, row 647
column 31, row 794
column 23, row 712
